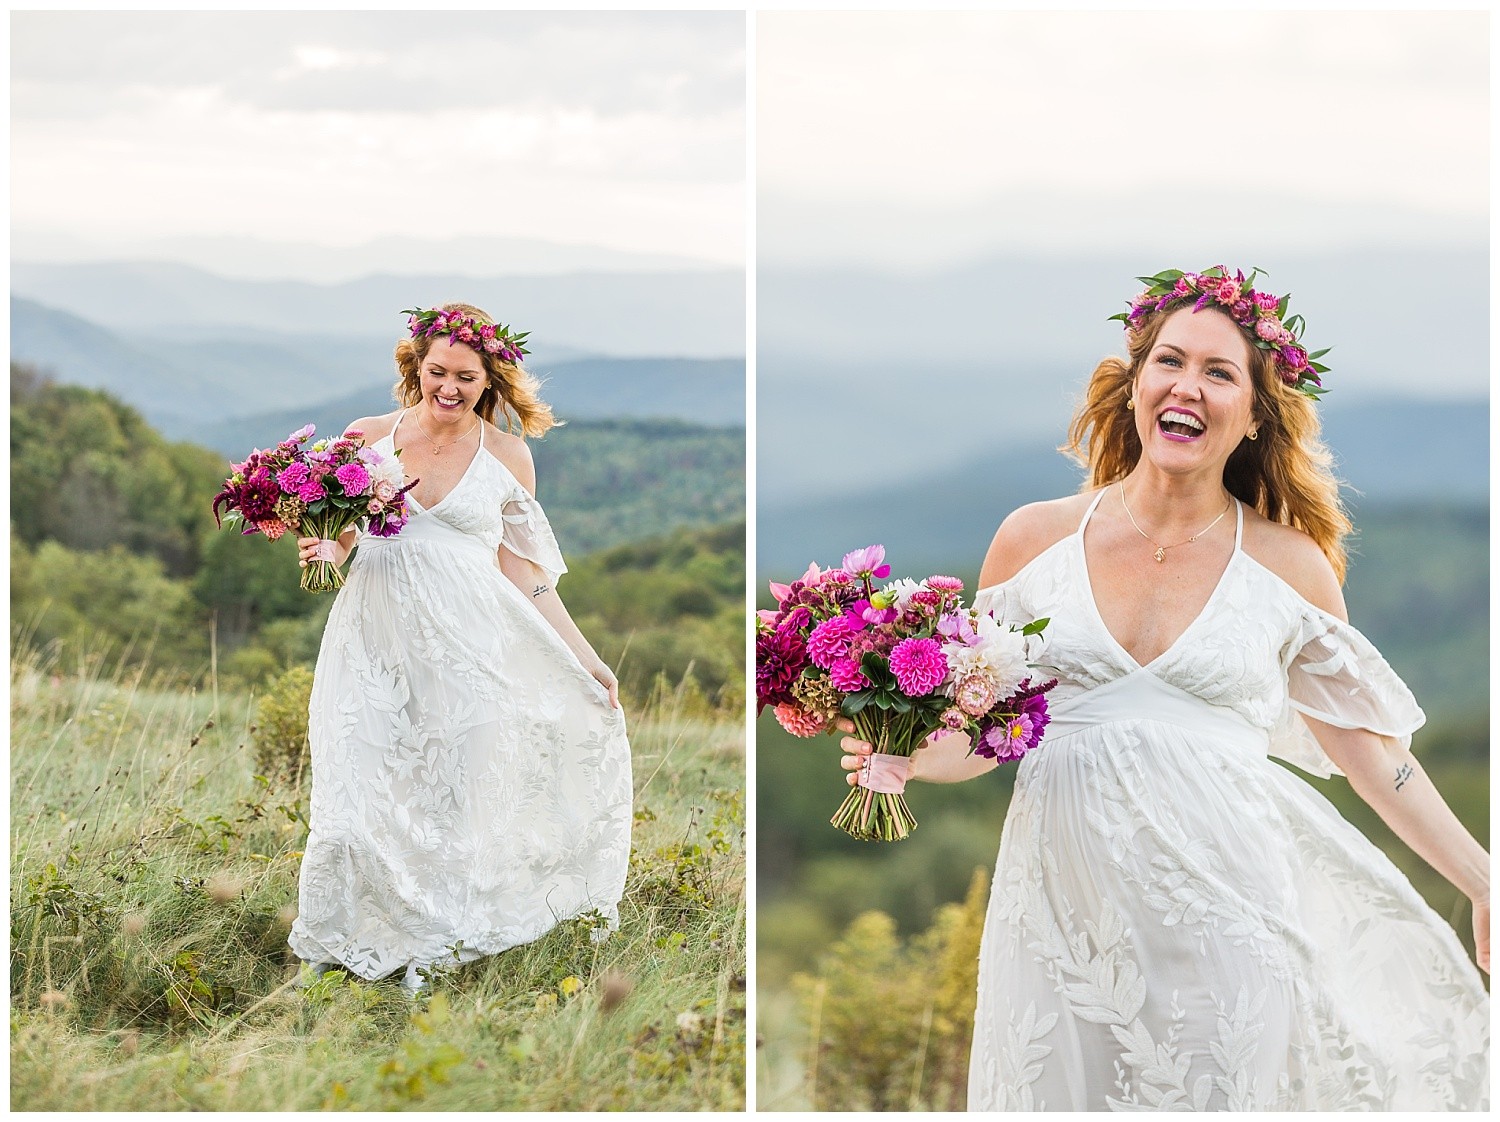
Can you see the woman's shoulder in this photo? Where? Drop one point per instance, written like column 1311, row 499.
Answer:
column 372, row 429
column 512, row 451
column 1029, row 531
column 1296, row 558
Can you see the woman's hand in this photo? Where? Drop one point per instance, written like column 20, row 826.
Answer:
column 858, row 751
column 606, row 678
column 307, row 546
column 1482, row 932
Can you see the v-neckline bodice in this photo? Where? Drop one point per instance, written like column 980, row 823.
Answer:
column 390, row 438
column 1131, row 661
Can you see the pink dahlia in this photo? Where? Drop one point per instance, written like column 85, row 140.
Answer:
column 353, row 478
column 919, row 666
column 291, row 479
column 311, row 491
column 798, row 721
column 846, row 676
column 273, row 528
column 829, row 641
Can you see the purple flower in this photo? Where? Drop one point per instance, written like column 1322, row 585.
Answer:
column 353, row 478
column 867, row 562
column 861, row 614
column 829, row 641
column 846, row 676
column 919, row 666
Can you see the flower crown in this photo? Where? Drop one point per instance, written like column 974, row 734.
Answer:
column 488, row 338
column 1262, row 315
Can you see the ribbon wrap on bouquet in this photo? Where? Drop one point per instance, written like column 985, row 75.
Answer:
column 875, row 809
column 322, row 574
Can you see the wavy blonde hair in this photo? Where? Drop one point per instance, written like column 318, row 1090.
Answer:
column 509, row 389
column 1287, row 474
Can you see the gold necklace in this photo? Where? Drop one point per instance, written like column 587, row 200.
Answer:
column 1161, row 550
column 437, row 449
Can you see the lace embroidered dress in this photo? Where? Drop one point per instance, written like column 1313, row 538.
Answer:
column 1179, row 923
column 471, row 782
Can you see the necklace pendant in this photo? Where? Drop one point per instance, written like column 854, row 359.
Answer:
column 1160, row 553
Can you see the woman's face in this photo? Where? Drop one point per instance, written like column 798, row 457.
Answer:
column 1194, row 399
column 452, row 377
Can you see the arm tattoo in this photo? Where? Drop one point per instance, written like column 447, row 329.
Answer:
column 539, row 590
column 1403, row 773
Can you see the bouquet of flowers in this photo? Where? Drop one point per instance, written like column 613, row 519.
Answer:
column 900, row 662
column 320, row 491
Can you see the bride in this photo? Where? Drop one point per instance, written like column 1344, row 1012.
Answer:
column 470, row 773
column 1176, row 922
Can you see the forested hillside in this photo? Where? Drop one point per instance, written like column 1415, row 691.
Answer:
column 114, row 551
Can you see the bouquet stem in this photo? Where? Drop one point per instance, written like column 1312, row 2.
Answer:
column 323, row 576
column 878, row 815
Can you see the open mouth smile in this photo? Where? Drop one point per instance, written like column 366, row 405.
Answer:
column 1178, row 424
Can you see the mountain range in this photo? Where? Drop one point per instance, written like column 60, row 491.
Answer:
column 220, row 392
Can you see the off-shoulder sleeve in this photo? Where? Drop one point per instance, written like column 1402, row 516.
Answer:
column 992, row 600
column 1335, row 675
column 528, row 534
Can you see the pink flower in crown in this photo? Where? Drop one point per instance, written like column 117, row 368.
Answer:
column 1268, row 328
column 867, row 562
column 919, row 666
column 846, row 676
column 1183, row 287
column 1294, row 356
column 486, row 330
column 1227, row 291
column 799, row 721
column 354, row 479
column 1266, row 302
column 493, row 346
column 1242, row 310
column 465, row 334
column 1143, row 300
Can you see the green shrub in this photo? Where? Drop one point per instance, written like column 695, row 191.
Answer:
column 281, row 726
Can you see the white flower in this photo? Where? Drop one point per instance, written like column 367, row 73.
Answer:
column 902, row 590
column 1000, row 656
column 388, row 470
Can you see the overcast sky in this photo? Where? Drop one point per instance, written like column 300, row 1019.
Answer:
column 917, row 140
column 622, row 130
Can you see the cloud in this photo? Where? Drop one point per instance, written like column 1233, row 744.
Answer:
column 621, row 129
column 926, row 117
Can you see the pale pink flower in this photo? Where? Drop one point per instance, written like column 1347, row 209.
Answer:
column 799, row 721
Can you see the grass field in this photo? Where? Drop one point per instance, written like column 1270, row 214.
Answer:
column 153, row 883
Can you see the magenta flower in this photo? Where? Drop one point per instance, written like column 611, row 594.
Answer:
column 919, row 666
column 845, row 675
column 829, row 641
column 292, row 478
column 311, row 491
column 867, row 562
column 1266, row 301
column 861, row 614
column 945, row 584
column 353, row 478
column 1268, row 328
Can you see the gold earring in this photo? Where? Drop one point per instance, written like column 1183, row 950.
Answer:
column 1130, row 403
column 1253, row 434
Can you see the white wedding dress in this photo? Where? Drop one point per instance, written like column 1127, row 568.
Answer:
column 471, row 783
column 1179, row 923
